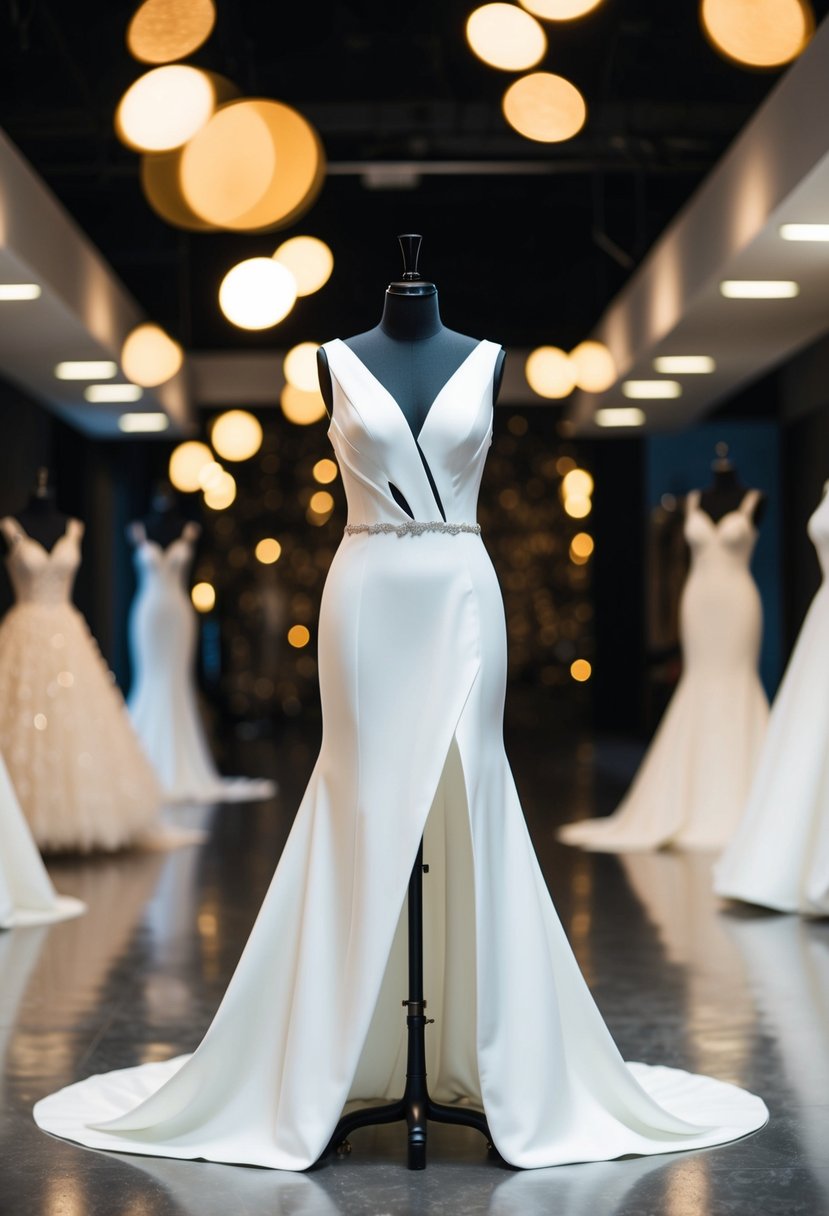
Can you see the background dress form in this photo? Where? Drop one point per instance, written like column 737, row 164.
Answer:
column 412, row 650
column 779, row 856
column 75, row 762
column 163, row 701
column 691, row 787
column 27, row 896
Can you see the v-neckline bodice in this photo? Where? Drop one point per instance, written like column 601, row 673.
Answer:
column 416, row 435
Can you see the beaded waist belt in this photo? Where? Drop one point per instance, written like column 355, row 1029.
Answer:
column 415, row 528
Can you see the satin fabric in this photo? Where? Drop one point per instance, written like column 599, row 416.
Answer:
column 691, row 787
column 412, row 653
column 779, row 857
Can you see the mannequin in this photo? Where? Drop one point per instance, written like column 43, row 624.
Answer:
column 411, row 352
column 726, row 492
column 164, row 522
column 40, row 518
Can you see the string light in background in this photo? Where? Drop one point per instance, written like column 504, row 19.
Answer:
column 758, row 33
column 581, row 548
column 581, row 670
column 150, row 357
column 325, row 471
column 576, row 491
column 210, row 476
column 164, row 30
column 544, row 107
column 299, row 636
column 268, row 551
column 594, row 367
column 301, row 408
column 203, row 596
column 222, row 494
column 165, row 108
column 505, row 37
column 236, row 435
column 186, row 464
column 300, row 367
column 550, row 373
column 257, row 293
column 309, row 260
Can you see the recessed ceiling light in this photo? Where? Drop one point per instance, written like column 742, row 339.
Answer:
column 651, row 390
column 804, row 232
column 684, row 365
column 620, row 417
column 19, row 291
column 86, row 369
column 98, row 393
column 135, row 423
column 759, row 289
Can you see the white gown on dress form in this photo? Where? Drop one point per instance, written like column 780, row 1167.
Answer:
column 75, row 762
column 692, row 784
column 412, row 656
column 163, row 702
column 779, row 856
column 27, row 896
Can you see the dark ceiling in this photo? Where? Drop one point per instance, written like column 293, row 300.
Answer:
column 527, row 255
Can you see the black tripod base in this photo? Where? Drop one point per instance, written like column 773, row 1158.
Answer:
column 417, row 1115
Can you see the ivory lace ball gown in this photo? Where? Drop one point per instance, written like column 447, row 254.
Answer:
column 73, row 757
column 163, row 702
column 779, row 856
column 27, row 896
column 412, row 654
column 692, row 785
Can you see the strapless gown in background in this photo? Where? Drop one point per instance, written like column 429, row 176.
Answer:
column 412, row 661
column 27, row 896
column 163, row 701
column 75, row 762
column 779, row 856
column 692, row 785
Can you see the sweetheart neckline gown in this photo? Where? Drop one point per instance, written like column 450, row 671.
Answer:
column 692, row 784
column 74, row 760
column 779, row 856
column 163, row 701
column 412, row 663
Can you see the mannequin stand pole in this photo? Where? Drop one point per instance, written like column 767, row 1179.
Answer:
column 415, row 1108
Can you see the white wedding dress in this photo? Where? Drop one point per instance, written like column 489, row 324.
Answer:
column 27, row 896
column 779, row 856
column 412, row 655
column 692, row 785
column 163, row 702
column 75, row 762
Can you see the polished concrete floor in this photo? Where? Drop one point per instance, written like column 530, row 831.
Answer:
column 743, row 996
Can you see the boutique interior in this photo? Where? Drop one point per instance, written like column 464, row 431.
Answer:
column 414, row 419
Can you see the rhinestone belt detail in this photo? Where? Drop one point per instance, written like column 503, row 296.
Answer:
column 415, row 528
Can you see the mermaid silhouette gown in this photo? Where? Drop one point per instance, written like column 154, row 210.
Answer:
column 779, row 856
column 75, row 762
column 692, row 785
column 163, row 701
column 412, row 659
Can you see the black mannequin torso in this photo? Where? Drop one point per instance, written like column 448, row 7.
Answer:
column 726, row 492
column 164, row 523
column 40, row 518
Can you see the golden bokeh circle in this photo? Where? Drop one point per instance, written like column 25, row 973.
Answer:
column 544, row 107
column 164, row 30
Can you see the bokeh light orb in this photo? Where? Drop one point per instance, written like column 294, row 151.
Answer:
column 165, row 108
column 203, row 596
column 186, row 464
column 222, row 494
column 505, row 37
column 268, row 551
column 236, row 435
column 257, row 293
column 309, row 260
column 578, row 483
column 300, row 407
column 325, row 471
column 150, row 357
column 210, row 475
column 594, row 366
column 758, row 33
column 577, row 506
column 550, row 373
column 299, row 636
column 544, row 107
column 300, row 367
column 322, row 503
column 164, row 30
column 559, row 10
column 581, row 670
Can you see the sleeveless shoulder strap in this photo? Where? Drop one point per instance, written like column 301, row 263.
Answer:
column 191, row 532
column 749, row 503
column 11, row 529
column 75, row 528
column 692, row 501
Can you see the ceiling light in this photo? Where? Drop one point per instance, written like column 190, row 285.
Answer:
column 759, row 289
column 257, row 293
column 759, row 33
column 165, row 108
column 550, row 373
column 300, row 367
column 134, row 424
column 544, row 107
column 620, row 417
column 684, row 365
column 652, row 390
column 20, row 291
column 804, row 232
column 236, row 435
column 86, row 369
column 560, row 10
column 101, row 393
column 164, row 30
column 505, row 37
column 309, row 260
column 186, row 464
column 300, row 407
column 150, row 357
column 595, row 367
